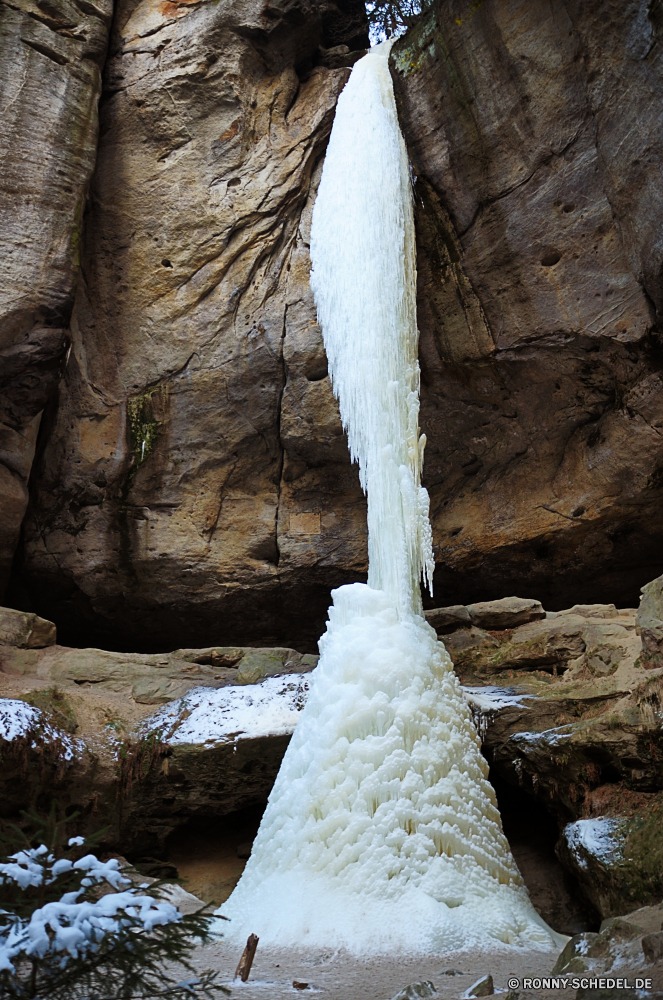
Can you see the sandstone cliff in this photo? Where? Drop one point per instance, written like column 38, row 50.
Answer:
column 536, row 134
column 193, row 485
column 51, row 55
column 195, row 473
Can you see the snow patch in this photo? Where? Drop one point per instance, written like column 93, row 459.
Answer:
column 551, row 737
column 272, row 708
column 69, row 926
column 209, row 716
column 17, row 719
column 486, row 702
column 597, row 837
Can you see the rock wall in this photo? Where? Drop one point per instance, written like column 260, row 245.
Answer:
column 536, row 134
column 195, row 482
column 50, row 80
column 194, row 485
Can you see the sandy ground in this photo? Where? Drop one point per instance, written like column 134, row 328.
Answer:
column 339, row 976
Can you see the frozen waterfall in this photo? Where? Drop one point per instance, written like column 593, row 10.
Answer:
column 382, row 833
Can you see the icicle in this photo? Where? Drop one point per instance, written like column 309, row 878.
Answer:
column 364, row 282
column 382, row 833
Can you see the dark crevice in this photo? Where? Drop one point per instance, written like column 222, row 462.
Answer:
column 284, row 378
column 533, row 834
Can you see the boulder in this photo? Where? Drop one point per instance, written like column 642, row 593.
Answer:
column 591, row 952
column 552, row 643
column 24, row 630
column 259, row 663
column 445, row 620
column 648, row 918
column 652, row 947
column 617, row 859
column 649, row 623
column 590, row 611
column 417, row 991
column 482, row 988
column 510, row 612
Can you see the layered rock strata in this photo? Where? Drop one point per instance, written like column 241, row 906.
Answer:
column 51, row 56
column 569, row 709
column 536, row 136
column 196, row 472
column 83, row 737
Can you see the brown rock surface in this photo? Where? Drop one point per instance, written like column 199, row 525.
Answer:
column 536, row 133
column 25, row 631
column 649, row 623
column 570, row 716
column 114, row 773
column 194, row 485
column 50, row 80
column 196, row 473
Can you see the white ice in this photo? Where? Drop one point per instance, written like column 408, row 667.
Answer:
column 485, row 702
column 364, row 282
column 382, row 833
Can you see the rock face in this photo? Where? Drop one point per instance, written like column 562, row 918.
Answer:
column 50, row 80
column 85, row 743
column 539, row 211
column 568, row 712
column 569, row 707
column 194, row 484
column 196, row 473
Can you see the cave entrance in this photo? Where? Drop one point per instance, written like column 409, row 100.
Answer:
column 532, row 834
column 210, row 852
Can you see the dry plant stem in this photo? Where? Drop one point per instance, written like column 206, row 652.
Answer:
column 246, row 961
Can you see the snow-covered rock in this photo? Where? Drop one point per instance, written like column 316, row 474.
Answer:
column 206, row 716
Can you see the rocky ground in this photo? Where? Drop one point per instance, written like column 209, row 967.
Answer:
column 176, row 753
column 344, row 977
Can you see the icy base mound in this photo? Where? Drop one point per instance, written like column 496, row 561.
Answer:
column 382, row 832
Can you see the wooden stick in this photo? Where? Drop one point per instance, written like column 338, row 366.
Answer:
column 246, row 961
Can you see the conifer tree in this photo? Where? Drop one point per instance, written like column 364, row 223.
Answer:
column 73, row 927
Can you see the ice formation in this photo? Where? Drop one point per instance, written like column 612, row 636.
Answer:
column 381, row 834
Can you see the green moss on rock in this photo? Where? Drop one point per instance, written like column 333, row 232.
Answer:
column 145, row 416
column 56, row 707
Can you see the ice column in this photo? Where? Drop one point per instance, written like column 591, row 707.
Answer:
column 381, row 834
